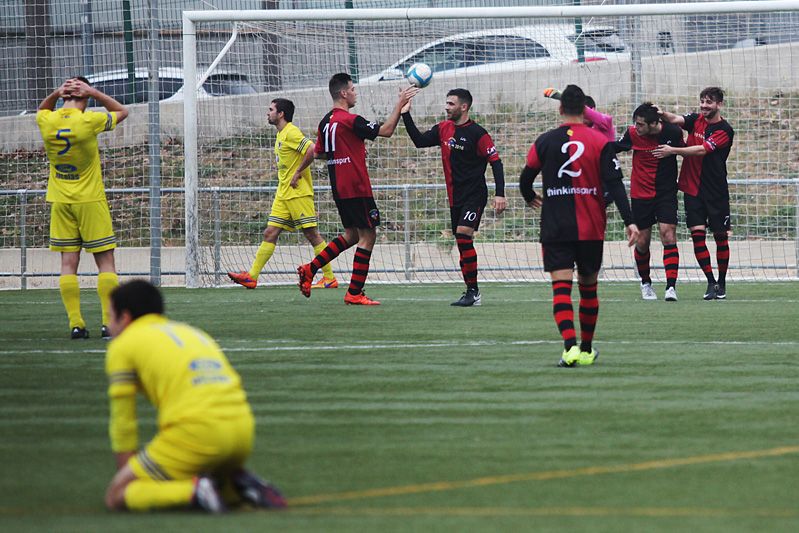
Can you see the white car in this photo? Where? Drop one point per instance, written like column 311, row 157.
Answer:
column 510, row 49
column 219, row 83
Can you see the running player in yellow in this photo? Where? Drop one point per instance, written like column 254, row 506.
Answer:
column 205, row 424
column 293, row 207
column 79, row 214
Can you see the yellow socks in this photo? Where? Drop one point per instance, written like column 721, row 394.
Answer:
column 106, row 282
column 263, row 254
column 70, row 295
column 327, row 270
column 146, row 494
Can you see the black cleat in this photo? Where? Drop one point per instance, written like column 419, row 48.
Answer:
column 710, row 293
column 721, row 291
column 206, row 496
column 79, row 333
column 257, row 492
column 470, row 298
column 104, row 333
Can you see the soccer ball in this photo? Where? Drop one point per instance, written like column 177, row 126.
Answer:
column 419, row 75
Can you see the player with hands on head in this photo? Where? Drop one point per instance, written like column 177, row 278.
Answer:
column 703, row 181
column 578, row 165
column 79, row 212
column 466, row 150
column 340, row 140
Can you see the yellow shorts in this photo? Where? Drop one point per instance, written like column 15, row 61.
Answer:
column 86, row 225
column 292, row 214
column 184, row 451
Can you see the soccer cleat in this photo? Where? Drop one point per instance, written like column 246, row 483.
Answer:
column 470, row 298
column 721, row 291
column 570, row 357
column 647, row 292
column 305, row 279
column 588, row 358
column 244, row 279
column 359, row 299
column 105, row 334
column 671, row 294
column 257, row 492
column 206, row 496
column 326, row 283
column 79, row 333
column 710, row 293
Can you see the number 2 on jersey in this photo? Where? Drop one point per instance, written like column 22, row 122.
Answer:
column 65, row 139
column 575, row 156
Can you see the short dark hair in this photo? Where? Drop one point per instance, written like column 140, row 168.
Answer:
column 138, row 297
column 285, row 106
column 714, row 93
column 572, row 99
column 84, row 79
column 463, row 95
column 338, row 83
column 589, row 101
column 648, row 112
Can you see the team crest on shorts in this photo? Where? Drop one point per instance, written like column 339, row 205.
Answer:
column 374, row 214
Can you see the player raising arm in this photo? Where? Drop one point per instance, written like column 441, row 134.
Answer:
column 205, row 424
column 466, row 150
column 340, row 139
column 703, row 180
column 578, row 164
column 79, row 213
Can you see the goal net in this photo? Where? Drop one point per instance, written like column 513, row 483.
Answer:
column 620, row 55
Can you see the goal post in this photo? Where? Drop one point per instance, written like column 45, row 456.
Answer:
column 668, row 53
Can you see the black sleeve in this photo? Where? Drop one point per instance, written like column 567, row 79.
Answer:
column 614, row 186
column 625, row 144
column 427, row 139
column 690, row 119
column 499, row 177
column 526, row 183
column 364, row 129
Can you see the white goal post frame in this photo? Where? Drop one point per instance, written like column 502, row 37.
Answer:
column 191, row 18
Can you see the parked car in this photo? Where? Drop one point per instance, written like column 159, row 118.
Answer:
column 509, row 49
column 115, row 83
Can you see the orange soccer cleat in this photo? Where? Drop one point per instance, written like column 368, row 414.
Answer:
column 326, row 283
column 359, row 299
column 244, row 279
column 305, row 279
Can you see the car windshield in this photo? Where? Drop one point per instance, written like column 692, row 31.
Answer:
column 476, row 51
column 226, row 84
column 606, row 41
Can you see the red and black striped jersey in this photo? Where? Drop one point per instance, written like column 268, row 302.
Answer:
column 340, row 135
column 575, row 161
column 651, row 177
column 466, row 150
column 706, row 175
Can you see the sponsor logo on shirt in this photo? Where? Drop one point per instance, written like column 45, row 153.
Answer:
column 566, row 191
column 453, row 144
column 339, row 161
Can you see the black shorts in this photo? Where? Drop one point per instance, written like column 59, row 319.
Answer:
column 358, row 212
column 662, row 209
column 700, row 212
column 587, row 255
column 468, row 214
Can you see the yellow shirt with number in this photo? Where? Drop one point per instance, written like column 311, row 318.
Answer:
column 290, row 148
column 180, row 369
column 70, row 141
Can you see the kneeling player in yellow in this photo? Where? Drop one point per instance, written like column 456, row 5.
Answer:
column 205, row 424
column 293, row 207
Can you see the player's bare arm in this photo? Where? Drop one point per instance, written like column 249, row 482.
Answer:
column 387, row 128
column 671, row 117
column 81, row 90
column 632, row 234
column 51, row 99
column 500, row 204
column 664, row 150
column 306, row 162
column 526, row 180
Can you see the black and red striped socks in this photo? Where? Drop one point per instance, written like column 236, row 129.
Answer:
column 642, row 264
column 589, row 313
column 671, row 263
column 468, row 259
column 702, row 254
column 331, row 251
column 360, row 269
column 563, row 311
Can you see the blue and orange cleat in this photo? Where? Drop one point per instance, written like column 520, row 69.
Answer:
column 359, row 299
column 244, row 279
column 326, row 283
column 305, row 279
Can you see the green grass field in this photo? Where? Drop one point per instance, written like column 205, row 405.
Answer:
column 415, row 416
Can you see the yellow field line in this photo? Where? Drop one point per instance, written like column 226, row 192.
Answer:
column 542, row 476
column 662, row 512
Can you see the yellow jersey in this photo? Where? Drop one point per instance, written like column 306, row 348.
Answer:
column 70, row 141
column 180, row 369
column 290, row 148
